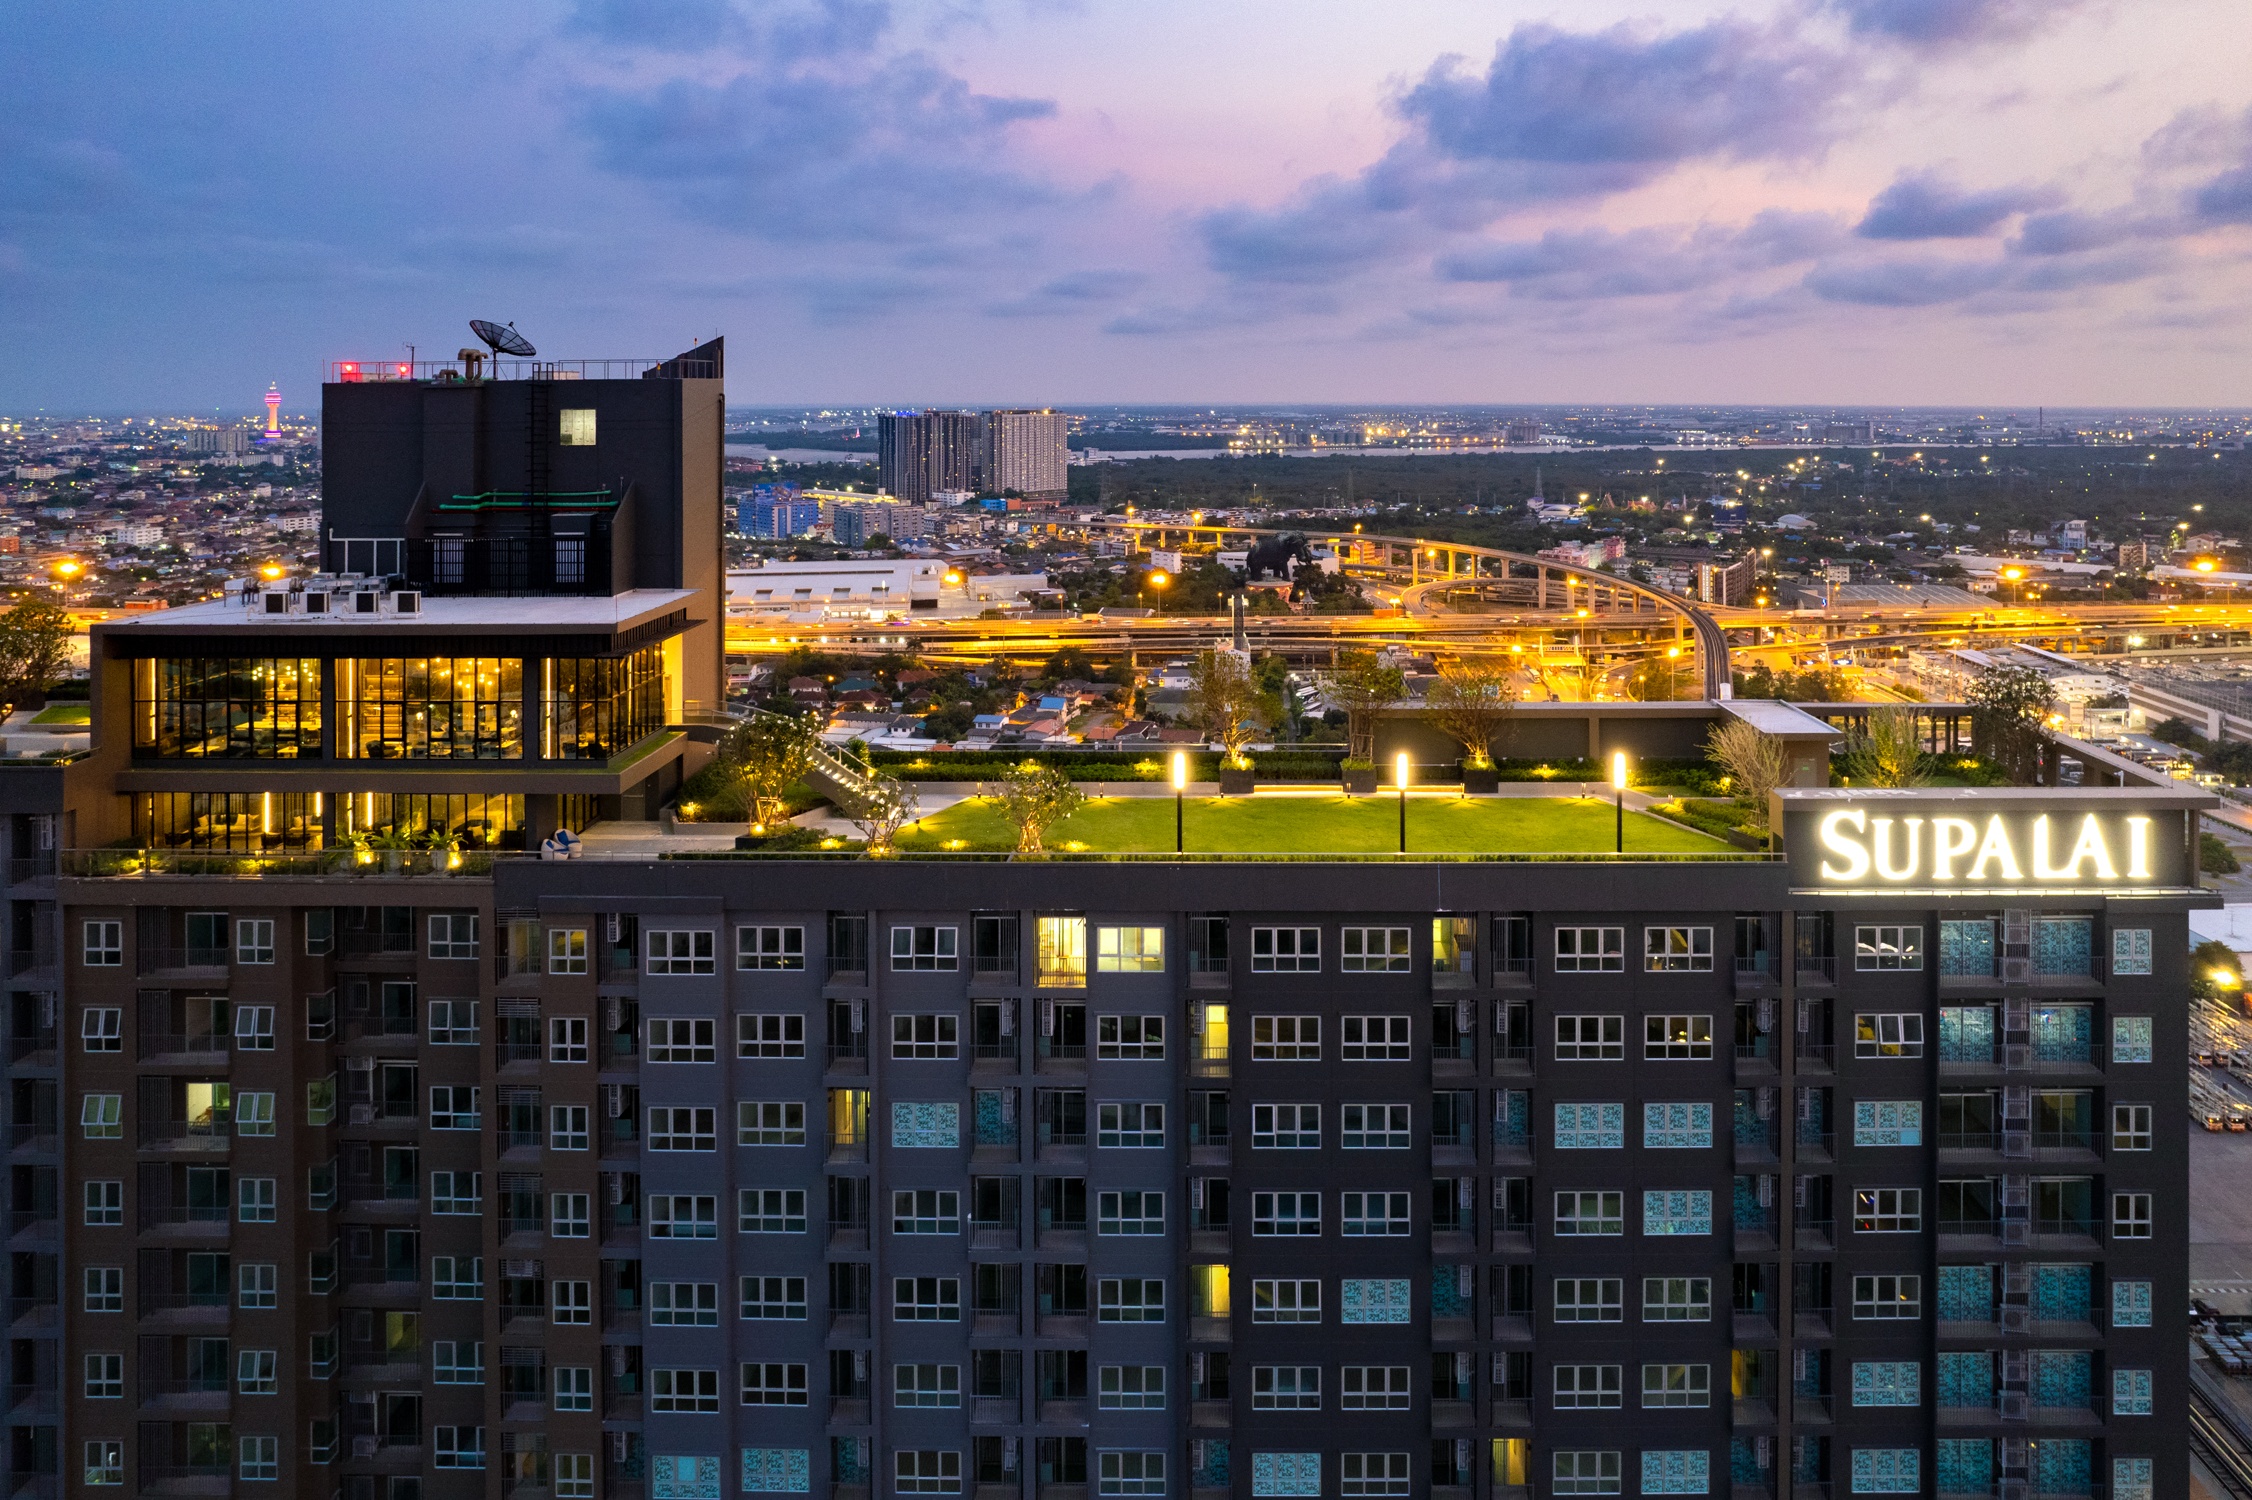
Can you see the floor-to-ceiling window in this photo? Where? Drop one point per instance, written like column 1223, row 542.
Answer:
column 227, row 707
column 600, row 706
column 430, row 708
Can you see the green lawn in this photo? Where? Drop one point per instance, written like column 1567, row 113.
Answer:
column 1327, row 824
column 64, row 713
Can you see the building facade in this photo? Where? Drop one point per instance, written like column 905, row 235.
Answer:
column 1027, row 452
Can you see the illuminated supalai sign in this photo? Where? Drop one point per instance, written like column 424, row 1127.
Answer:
column 2115, row 840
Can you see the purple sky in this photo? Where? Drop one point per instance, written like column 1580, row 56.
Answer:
column 1081, row 200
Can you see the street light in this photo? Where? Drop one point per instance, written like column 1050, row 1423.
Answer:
column 1400, row 774
column 1618, row 795
column 1180, row 788
column 1155, row 578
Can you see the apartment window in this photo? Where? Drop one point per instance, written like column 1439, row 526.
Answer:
column 105, row 1461
column 769, row 1122
column 1590, row 1127
column 1880, row 1298
column 1590, row 1299
column 684, row 1128
column 1597, row 1212
column 1676, row 1385
column 1130, row 1126
column 682, row 1041
column 573, row 1387
column 1129, row 950
column 924, row 949
column 1285, row 1301
column 1130, row 1388
column 453, row 1023
column 2130, row 1216
column 1588, row 1387
column 770, row 1211
column 1591, row 950
column 1888, row 1034
column 257, row 1286
column 254, row 940
column 1590, row 1038
column 680, row 951
column 1887, row 947
column 1888, row 1122
column 926, row 1211
column 102, row 1030
column 1676, row 1299
column 773, row 1384
column 1286, row 1038
column 1060, row 952
column 457, row 1362
column 569, row 1127
column 1676, row 1038
column 105, row 1289
column 1375, row 1039
column 1888, row 1210
column 2130, row 1127
column 566, row 950
column 1130, row 1473
column 570, row 1302
column 1374, row 1214
column 770, row 947
column 925, row 1038
column 102, row 1116
column 1286, row 1213
column 566, row 1039
column 1130, row 1038
column 1368, row 1127
column 1130, row 1299
column 926, row 1385
column 105, row 1204
column 677, row 1390
column 1373, row 1388
column 765, row 1036
column 1677, row 950
column 455, row 1107
column 257, row 1372
column 1374, row 950
column 1130, row 1211
column 1584, row 1471
column 104, row 944
column 772, row 1299
column 926, row 1299
column 2131, row 1393
column 457, row 1447
column 255, row 1200
column 683, row 1216
column 1287, row 1127
column 926, row 1471
column 258, row 1458
column 1286, row 950
column 576, row 426
column 254, row 1028
column 452, row 935
column 105, row 1377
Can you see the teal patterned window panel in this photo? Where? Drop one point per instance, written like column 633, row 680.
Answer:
column 2131, row 1479
column 1966, row 1033
column 1966, row 1294
column 2063, row 1033
column 2130, row 1039
column 1746, row 1206
column 1450, row 1291
column 2063, row 945
column 848, row 1460
column 1676, row 1471
column 2062, row 1377
column 2130, row 1304
column 996, row 1117
column 1590, row 1127
column 1966, row 1379
column 1888, row 1383
column 1286, row 1474
column 1676, row 1127
column 1888, row 1471
column 1743, row 1462
column 2130, row 950
column 1966, row 949
column 1813, row 1116
column 1750, row 1130
column 1888, row 1122
column 1374, row 1302
column 1676, row 1211
column 2062, row 1466
column 2130, row 1393
column 2064, row 1292
column 777, row 1471
column 1966, row 1466
column 675, row 1476
column 1211, row 1471
column 1513, row 1117
column 924, row 1127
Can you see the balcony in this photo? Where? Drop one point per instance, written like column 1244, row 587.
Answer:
column 174, row 1046
column 38, row 867
column 200, row 962
column 186, row 1135
column 36, row 1135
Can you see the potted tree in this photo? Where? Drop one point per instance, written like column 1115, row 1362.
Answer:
column 1362, row 686
column 1471, row 705
column 1231, row 711
column 1033, row 797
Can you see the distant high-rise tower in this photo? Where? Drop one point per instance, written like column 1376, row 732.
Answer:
column 919, row 452
column 273, row 411
column 1028, row 452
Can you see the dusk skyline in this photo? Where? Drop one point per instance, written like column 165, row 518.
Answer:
column 1033, row 201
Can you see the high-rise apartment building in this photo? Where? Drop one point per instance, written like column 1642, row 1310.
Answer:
column 342, row 1164
column 1027, row 452
column 921, row 452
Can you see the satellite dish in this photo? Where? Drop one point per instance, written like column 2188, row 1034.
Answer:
column 502, row 339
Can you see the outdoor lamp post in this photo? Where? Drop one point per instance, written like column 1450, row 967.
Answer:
column 1180, row 788
column 1618, row 795
column 1400, row 774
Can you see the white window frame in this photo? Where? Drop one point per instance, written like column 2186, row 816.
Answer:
column 1147, row 1216
column 762, row 1035
column 668, row 1131
column 1670, row 1385
column 567, row 950
column 102, row 1289
column 1129, row 949
column 770, row 1210
column 1373, row 1388
column 684, row 1304
column 446, row 1028
column 102, row 945
column 770, row 1122
column 567, row 1039
column 452, row 934
column 926, row 1299
column 101, row 1028
column 254, row 940
column 457, row 1106
column 1888, row 1298
column 570, row 1216
column 760, row 949
column 1286, row 1127
column 1677, row 950
column 1375, row 950
column 254, row 1028
column 1582, row 1037
column 2131, row 1217
column 771, row 1299
column 1888, row 1034
column 1130, row 1125
column 925, row 948
column 926, row 1387
column 699, row 1222
column 1590, row 950
column 1590, row 1299
column 1130, row 1038
column 679, row 951
column 688, row 1390
column 1112, row 1304
column 1890, row 1210
column 682, row 1039
column 1677, row 1299
column 1286, row 950
column 2130, row 1127
column 925, row 1036
column 1661, row 1044
column 1285, row 1215
column 1276, row 1038
column 926, row 1211
column 1379, row 1215
column 1587, row 1387
column 1598, row 1206
column 1285, row 1300
column 1885, row 947
column 570, row 1127
column 1375, row 1039
column 1130, row 1388
column 1374, row 1127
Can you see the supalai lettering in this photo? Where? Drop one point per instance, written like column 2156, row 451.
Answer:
column 1894, row 849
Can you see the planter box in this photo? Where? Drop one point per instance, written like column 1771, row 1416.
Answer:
column 1477, row 782
column 1359, row 783
column 1234, row 783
